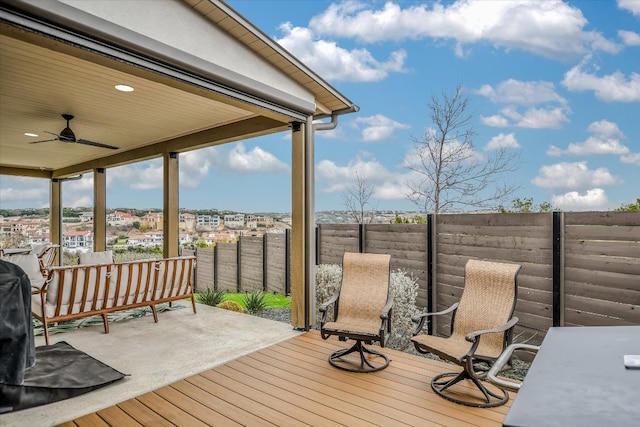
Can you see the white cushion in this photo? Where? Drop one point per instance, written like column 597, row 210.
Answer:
column 39, row 248
column 29, row 263
column 104, row 257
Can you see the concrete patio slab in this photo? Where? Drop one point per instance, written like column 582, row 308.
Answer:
column 180, row 345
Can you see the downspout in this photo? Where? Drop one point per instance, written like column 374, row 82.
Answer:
column 310, row 273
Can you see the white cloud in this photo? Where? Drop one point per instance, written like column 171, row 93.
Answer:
column 497, row 121
column 255, row 161
column 141, row 176
column 573, row 201
column 336, row 179
column 629, row 38
column 194, row 166
column 336, row 63
column 633, row 159
column 550, row 28
column 532, row 118
column 517, row 92
column 77, row 201
column 502, row 141
column 632, row 6
column 573, row 176
column 377, row 128
column 12, row 194
column 605, row 140
column 615, row 87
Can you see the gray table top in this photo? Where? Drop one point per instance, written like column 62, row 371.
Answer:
column 578, row 378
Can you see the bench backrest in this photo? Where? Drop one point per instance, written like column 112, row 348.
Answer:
column 81, row 288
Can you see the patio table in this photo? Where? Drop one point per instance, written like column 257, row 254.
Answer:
column 578, row 378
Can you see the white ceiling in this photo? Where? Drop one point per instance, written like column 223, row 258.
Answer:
column 38, row 85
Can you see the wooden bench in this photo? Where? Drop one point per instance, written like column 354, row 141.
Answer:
column 77, row 291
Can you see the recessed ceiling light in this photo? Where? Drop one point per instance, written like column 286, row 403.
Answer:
column 31, row 134
column 124, row 88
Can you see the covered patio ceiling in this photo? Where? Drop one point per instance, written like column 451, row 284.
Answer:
column 51, row 65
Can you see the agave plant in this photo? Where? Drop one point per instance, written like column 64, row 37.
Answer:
column 255, row 302
column 210, row 297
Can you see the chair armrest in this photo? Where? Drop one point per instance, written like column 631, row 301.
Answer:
column 474, row 336
column 502, row 360
column 384, row 314
column 325, row 307
column 420, row 319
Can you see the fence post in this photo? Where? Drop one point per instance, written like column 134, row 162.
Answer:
column 430, row 308
column 287, row 261
column 239, row 264
column 264, row 262
column 557, row 268
column 318, row 244
column 215, row 267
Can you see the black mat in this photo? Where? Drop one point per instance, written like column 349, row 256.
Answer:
column 61, row 372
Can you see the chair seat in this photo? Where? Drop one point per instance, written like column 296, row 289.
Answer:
column 453, row 348
column 353, row 326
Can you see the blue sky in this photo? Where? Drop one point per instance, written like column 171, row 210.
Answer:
column 557, row 82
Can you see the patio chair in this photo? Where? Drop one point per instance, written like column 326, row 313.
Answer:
column 361, row 312
column 481, row 327
column 46, row 257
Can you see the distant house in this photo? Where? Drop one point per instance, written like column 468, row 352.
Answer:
column 121, row 219
column 212, row 221
column 184, row 238
column 78, row 239
column 152, row 221
column 187, row 222
column 234, row 221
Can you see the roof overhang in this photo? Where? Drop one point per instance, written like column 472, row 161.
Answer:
column 57, row 58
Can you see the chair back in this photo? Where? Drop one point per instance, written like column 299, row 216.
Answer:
column 48, row 255
column 488, row 301
column 364, row 288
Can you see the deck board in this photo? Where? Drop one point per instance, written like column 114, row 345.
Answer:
column 291, row 383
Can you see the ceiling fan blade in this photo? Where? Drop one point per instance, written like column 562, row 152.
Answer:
column 44, row 140
column 96, row 144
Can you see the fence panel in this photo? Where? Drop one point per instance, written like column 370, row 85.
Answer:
column 407, row 245
column 336, row 239
column 276, row 263
column 227, row 267
column 204, row 269
column 525, row 239
column 601, row 268
column 251, row 256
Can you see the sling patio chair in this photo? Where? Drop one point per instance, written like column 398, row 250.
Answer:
column 362, row 307
column 481, row 327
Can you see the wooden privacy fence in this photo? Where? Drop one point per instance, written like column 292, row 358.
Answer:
column 252, row 264
column 578, row 268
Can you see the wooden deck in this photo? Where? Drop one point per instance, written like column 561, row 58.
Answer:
column 292, row 383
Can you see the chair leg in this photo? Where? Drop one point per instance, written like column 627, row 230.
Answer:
column 105, row 320
column 442, row 382
column 365, row 364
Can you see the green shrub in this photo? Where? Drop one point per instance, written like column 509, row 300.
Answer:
column 210, row 297
column 255, row 302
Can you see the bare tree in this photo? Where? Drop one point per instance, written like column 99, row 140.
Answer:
column 357, row 198
column 448, row 173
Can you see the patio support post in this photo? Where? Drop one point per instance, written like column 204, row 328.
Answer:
column 55, row 217
column 171, row 214
column 99, row 209
column 298, row 227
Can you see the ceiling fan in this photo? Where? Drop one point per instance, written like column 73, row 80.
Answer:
column 67, row 135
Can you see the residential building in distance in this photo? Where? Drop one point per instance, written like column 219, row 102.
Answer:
column 234, row 221
column 211, row 221
column 118, row 218
column 152, row 221
column 78, row 239
column 187, row 222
